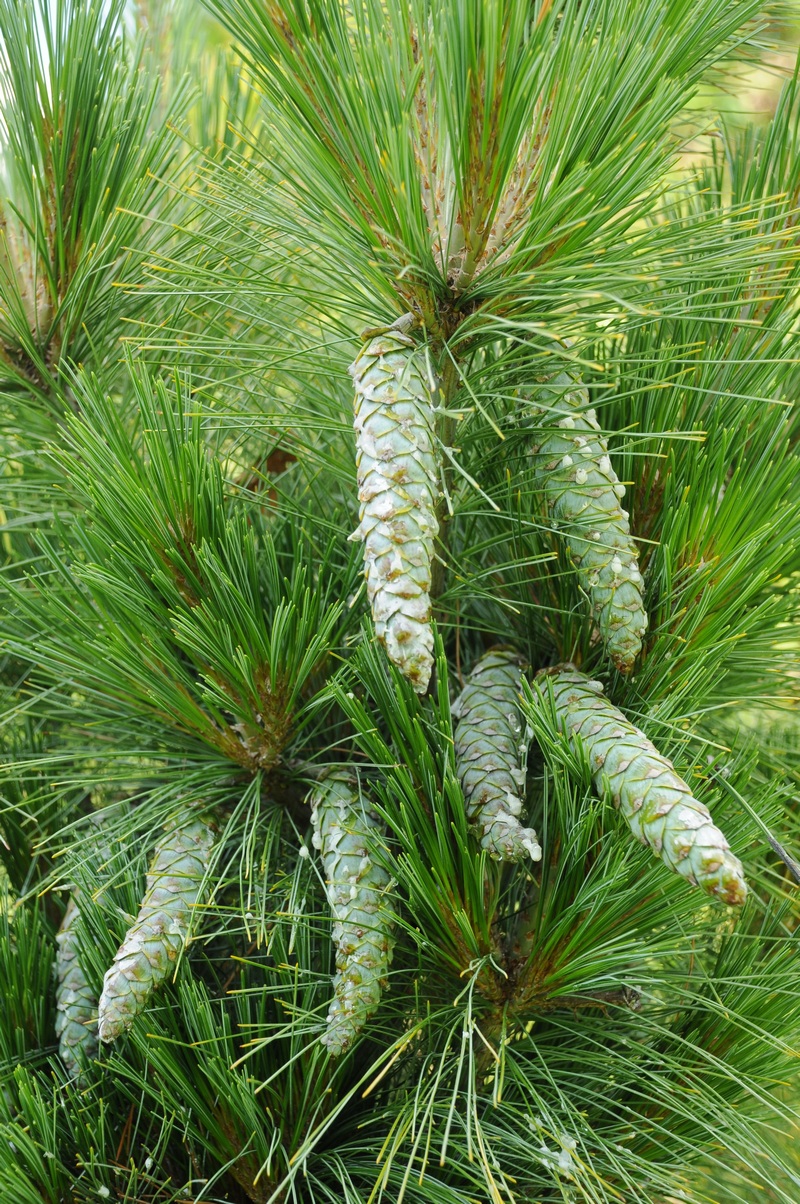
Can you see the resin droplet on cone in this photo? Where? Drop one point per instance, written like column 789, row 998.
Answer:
column 150, row 949
column 583, row 498
column 491, row 751
column 346, row 830
column 658, row 805
column 397, row 489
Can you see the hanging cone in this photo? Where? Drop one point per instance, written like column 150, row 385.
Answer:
column 346, row 829
column 491, row 750
column 76, row 1004
column 151, row 946
column 397, row 488
column 657, row 804
column 583, row 498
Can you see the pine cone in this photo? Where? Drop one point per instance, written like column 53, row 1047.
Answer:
column 151, row 946
column 76, row 1005
column 657, row 804
column 491, row 750
column 583, row 497
column 346, row 828
column 398, row 489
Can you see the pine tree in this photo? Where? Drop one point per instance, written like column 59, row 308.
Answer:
column 280, row 772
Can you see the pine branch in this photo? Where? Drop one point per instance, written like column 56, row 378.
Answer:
column 84, row 147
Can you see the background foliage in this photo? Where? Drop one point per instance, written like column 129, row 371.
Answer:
column 197, row 223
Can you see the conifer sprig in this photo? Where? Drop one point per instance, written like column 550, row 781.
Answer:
column 496, row 93
column 176, row 613
column 84, row 145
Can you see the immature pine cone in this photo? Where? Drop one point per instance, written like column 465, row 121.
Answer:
column 76, row 1005
column 657, row 804
column 491, row 751
column 398, row 489
column 151, row 946
column 346, row 829
column 583, row 497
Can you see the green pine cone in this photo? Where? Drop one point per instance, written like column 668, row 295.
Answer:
column 583, row 498
column 657, row 804
column 152, row 944
column 398, row 486
column 491, row 749
column 76, row 1004
column 346, row 828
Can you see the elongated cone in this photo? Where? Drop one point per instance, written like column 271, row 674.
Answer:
column 658, row 805
column 491, row 750
column 583, row 498
column 151, row 946
column 346, row 829
column 76, row 1003
column 397, row 488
